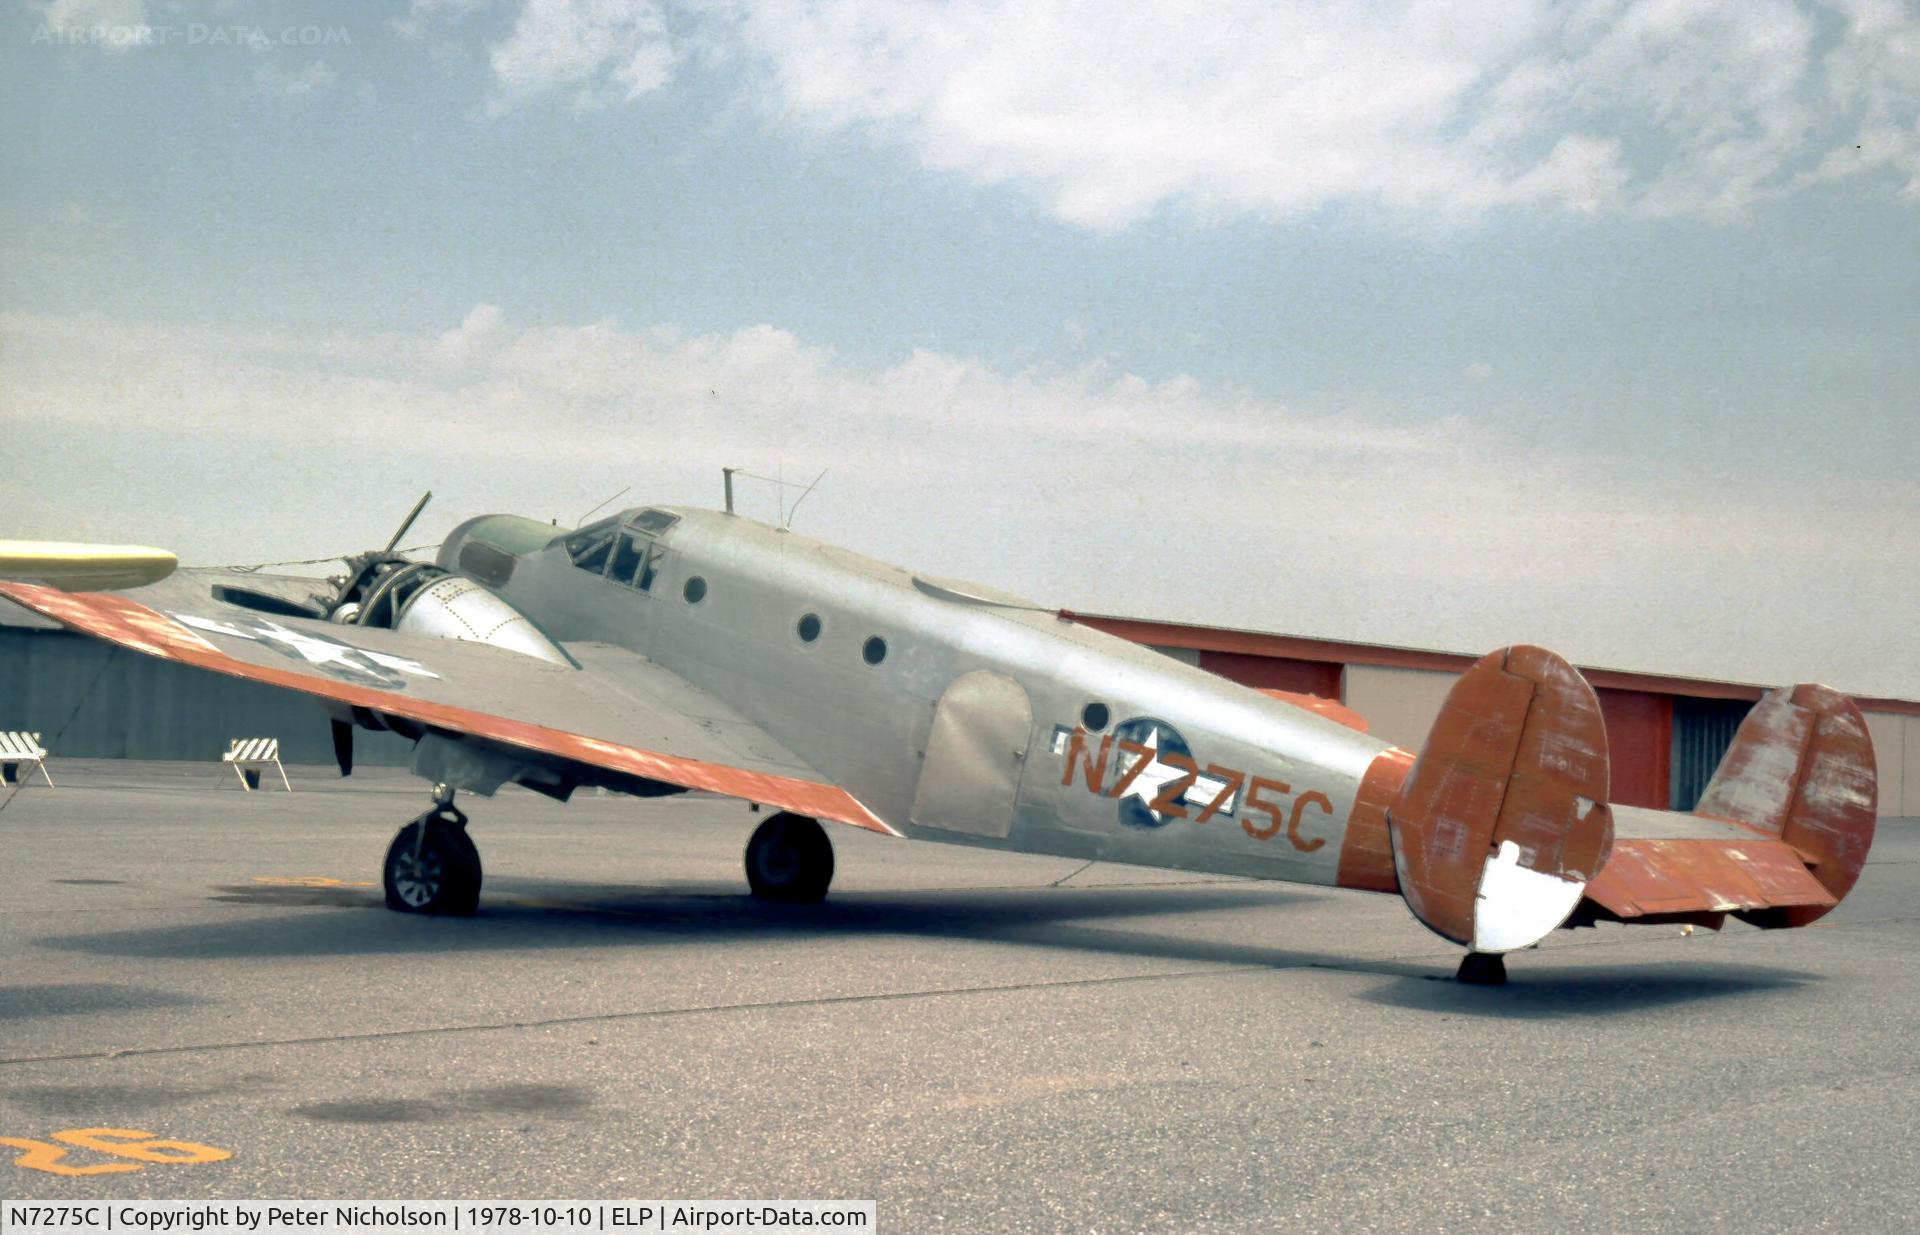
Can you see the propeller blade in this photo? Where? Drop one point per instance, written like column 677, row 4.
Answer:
column 343, row 746
column 408, row 521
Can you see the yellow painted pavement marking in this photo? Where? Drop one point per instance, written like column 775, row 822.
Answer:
column 307, row 881
column 142, row 1147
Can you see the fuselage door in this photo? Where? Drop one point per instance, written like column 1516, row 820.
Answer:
column 970, row 777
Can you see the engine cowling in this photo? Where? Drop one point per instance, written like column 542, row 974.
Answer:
column 450, row 607
column 393, row 593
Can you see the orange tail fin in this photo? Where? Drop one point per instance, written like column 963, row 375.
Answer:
column 1801, row 767
column 1503, row 819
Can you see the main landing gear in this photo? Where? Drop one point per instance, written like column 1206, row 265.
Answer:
column 432, row 865
column 790, row 859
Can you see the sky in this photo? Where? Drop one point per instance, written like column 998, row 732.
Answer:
column 1591, row 324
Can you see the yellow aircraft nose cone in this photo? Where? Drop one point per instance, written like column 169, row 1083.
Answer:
column 83, row 568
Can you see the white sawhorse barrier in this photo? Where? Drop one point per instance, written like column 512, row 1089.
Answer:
column 18, row 749
column 247, row 756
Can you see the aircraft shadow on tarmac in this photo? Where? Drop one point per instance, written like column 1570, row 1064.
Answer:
column 521, row 916
column 85, row 998
column 1543, row 991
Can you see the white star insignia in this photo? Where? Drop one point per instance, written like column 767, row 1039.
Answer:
column 1157, row 775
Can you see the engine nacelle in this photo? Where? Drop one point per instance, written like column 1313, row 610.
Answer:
column 451, row 607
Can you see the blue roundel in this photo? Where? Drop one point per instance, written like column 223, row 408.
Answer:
column 1162, row 740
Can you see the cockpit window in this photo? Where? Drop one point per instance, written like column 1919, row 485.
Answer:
column 655, row 521
column 628, row 556
column 590, row 547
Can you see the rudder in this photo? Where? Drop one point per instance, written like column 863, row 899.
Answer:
column 1801, row 768
column 1503, row 819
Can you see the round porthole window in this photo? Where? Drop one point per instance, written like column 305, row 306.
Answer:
column 1095, row 717
column 875, row 650
column 809, row 628
column 696, row 590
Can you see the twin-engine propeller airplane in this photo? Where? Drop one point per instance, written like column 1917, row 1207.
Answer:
column 665, row 650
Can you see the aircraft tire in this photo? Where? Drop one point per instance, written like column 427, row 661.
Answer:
column 1482, row 969
column 790, row 860
column 446, row 878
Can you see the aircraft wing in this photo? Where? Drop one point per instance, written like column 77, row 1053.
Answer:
column 617, row 710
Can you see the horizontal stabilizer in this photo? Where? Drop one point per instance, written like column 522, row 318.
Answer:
column 1653, row 879
column 1334, row 711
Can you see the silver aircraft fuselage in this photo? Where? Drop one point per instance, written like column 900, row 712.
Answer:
column 952, row 711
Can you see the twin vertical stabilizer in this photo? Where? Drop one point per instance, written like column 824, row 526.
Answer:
column 1503, row 820
column 1502, row 826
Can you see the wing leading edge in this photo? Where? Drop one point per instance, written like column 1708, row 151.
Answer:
column 419, row 678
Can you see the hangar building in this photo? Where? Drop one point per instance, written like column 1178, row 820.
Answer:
column 1666, row 733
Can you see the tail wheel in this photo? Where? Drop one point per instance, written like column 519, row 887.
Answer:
column 438, row 873
column 790, row 859
column 1482, row 969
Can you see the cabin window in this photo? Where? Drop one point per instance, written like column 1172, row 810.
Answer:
column 695, row 591
column 808, row 628
column 1095, row 717
column 875, row 650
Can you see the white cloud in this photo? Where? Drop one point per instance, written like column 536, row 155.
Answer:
column 316, row 76
column 72, row 13
column 437, row 24
column 606, row 51
column 1655, row 106
column 114, row 25
column 1082, row 485
column 1109, row 112
column 1875, row 73
column 422, row 14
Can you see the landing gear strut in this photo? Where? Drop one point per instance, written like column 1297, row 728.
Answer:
column 790, row 859
column 1482, row 969
column 432, row 865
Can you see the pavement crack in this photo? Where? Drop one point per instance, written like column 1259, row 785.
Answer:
column 771, row 1005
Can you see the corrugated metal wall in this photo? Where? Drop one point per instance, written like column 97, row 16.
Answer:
column 88, row 699
column 1703, row 729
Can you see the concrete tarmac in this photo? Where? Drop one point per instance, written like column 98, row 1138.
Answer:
column 979, row 1042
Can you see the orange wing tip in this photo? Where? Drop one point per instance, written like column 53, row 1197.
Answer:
column 860, row 817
